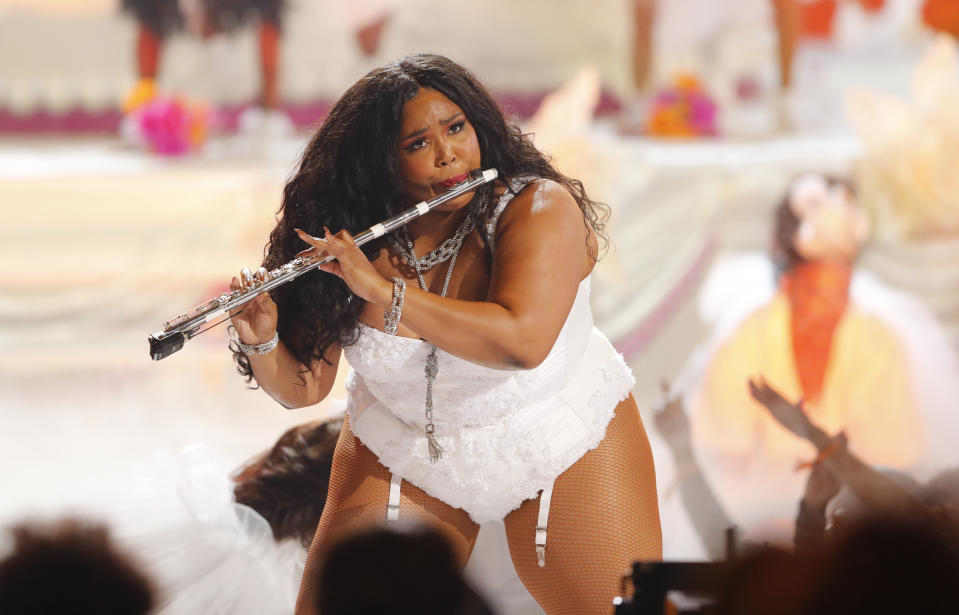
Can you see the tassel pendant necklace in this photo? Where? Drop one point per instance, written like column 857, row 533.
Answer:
column 447, row 251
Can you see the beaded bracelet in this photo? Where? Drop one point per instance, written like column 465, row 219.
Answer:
column 392, row 316
column 264, row 348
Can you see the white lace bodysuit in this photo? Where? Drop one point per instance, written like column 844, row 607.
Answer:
column 506, row 434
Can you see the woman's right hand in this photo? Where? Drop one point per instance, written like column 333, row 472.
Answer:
column 255, row 321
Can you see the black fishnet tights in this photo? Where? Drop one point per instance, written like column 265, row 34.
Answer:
column 604, row 515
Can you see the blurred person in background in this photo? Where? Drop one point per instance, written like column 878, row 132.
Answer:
column 229, row 543
column 786, row 18
column 159, row 19
column 865, row 358
column 201, row 529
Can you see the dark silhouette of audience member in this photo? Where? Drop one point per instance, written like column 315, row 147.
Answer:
column 395, row 569
column 70, row 567
column 880, row 566
column 767, row 581
column 887, row 566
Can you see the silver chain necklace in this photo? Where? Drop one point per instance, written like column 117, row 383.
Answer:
column 440, row 254
column 446, row 251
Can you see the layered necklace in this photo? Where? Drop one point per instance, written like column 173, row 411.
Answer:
column 402, row 243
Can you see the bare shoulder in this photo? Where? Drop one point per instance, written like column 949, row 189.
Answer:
column 539, row 200
column 544, row 220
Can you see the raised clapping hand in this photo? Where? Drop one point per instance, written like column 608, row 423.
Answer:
column 791, row 416
column 255, row 321
column 351, row 265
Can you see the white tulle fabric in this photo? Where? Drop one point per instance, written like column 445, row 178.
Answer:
column 206, row 553
column 506, row 434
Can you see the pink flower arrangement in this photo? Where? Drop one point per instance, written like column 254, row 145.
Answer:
column 682, row 110
column 167, row 126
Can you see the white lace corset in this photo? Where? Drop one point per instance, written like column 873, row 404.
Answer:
column 464, row 394
column 506, row 434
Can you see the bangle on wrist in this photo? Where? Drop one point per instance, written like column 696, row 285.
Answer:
column 391, row 317
column 834, row 444
column 255, row 349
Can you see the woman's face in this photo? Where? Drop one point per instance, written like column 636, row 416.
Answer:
column 832, row 226
column 437, row 148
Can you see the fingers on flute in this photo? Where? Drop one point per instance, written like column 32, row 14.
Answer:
column 246, row 277
column 341, row 238
column 313, row 241
column 235, row 285
column 333, row 267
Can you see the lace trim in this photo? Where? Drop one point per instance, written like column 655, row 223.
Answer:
column 494, row 468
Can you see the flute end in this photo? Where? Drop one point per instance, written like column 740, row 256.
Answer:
column 490, row 174
column 163, row 344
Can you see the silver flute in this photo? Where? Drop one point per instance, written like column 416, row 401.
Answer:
column 177, row 331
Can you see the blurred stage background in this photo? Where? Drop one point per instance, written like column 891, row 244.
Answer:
column 102, row 240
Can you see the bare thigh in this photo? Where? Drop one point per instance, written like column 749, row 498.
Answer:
column 603, row 516
column 359, row 491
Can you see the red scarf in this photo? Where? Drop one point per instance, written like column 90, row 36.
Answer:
column 818, row 294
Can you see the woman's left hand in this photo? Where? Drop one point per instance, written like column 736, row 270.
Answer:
column 351, row 265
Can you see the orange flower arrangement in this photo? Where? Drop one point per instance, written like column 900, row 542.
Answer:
column 942, row 16
column 817, row 16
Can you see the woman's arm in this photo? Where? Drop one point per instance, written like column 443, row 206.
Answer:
column 874, row 488
column 288, row 381
column 279, row 372
column 541, row 256
column 706, row 513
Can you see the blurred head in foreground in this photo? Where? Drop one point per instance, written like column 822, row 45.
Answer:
column 70, row 567
column 395, row 569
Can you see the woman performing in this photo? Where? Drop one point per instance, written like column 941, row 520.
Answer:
column 480, row 388
column 159, row 18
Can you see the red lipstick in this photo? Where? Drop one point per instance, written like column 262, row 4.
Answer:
column 458, row 179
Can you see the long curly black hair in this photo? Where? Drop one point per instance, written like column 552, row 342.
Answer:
column 349, row 179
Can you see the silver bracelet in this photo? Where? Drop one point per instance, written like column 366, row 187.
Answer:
column 264, row 348
column 391, row 317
